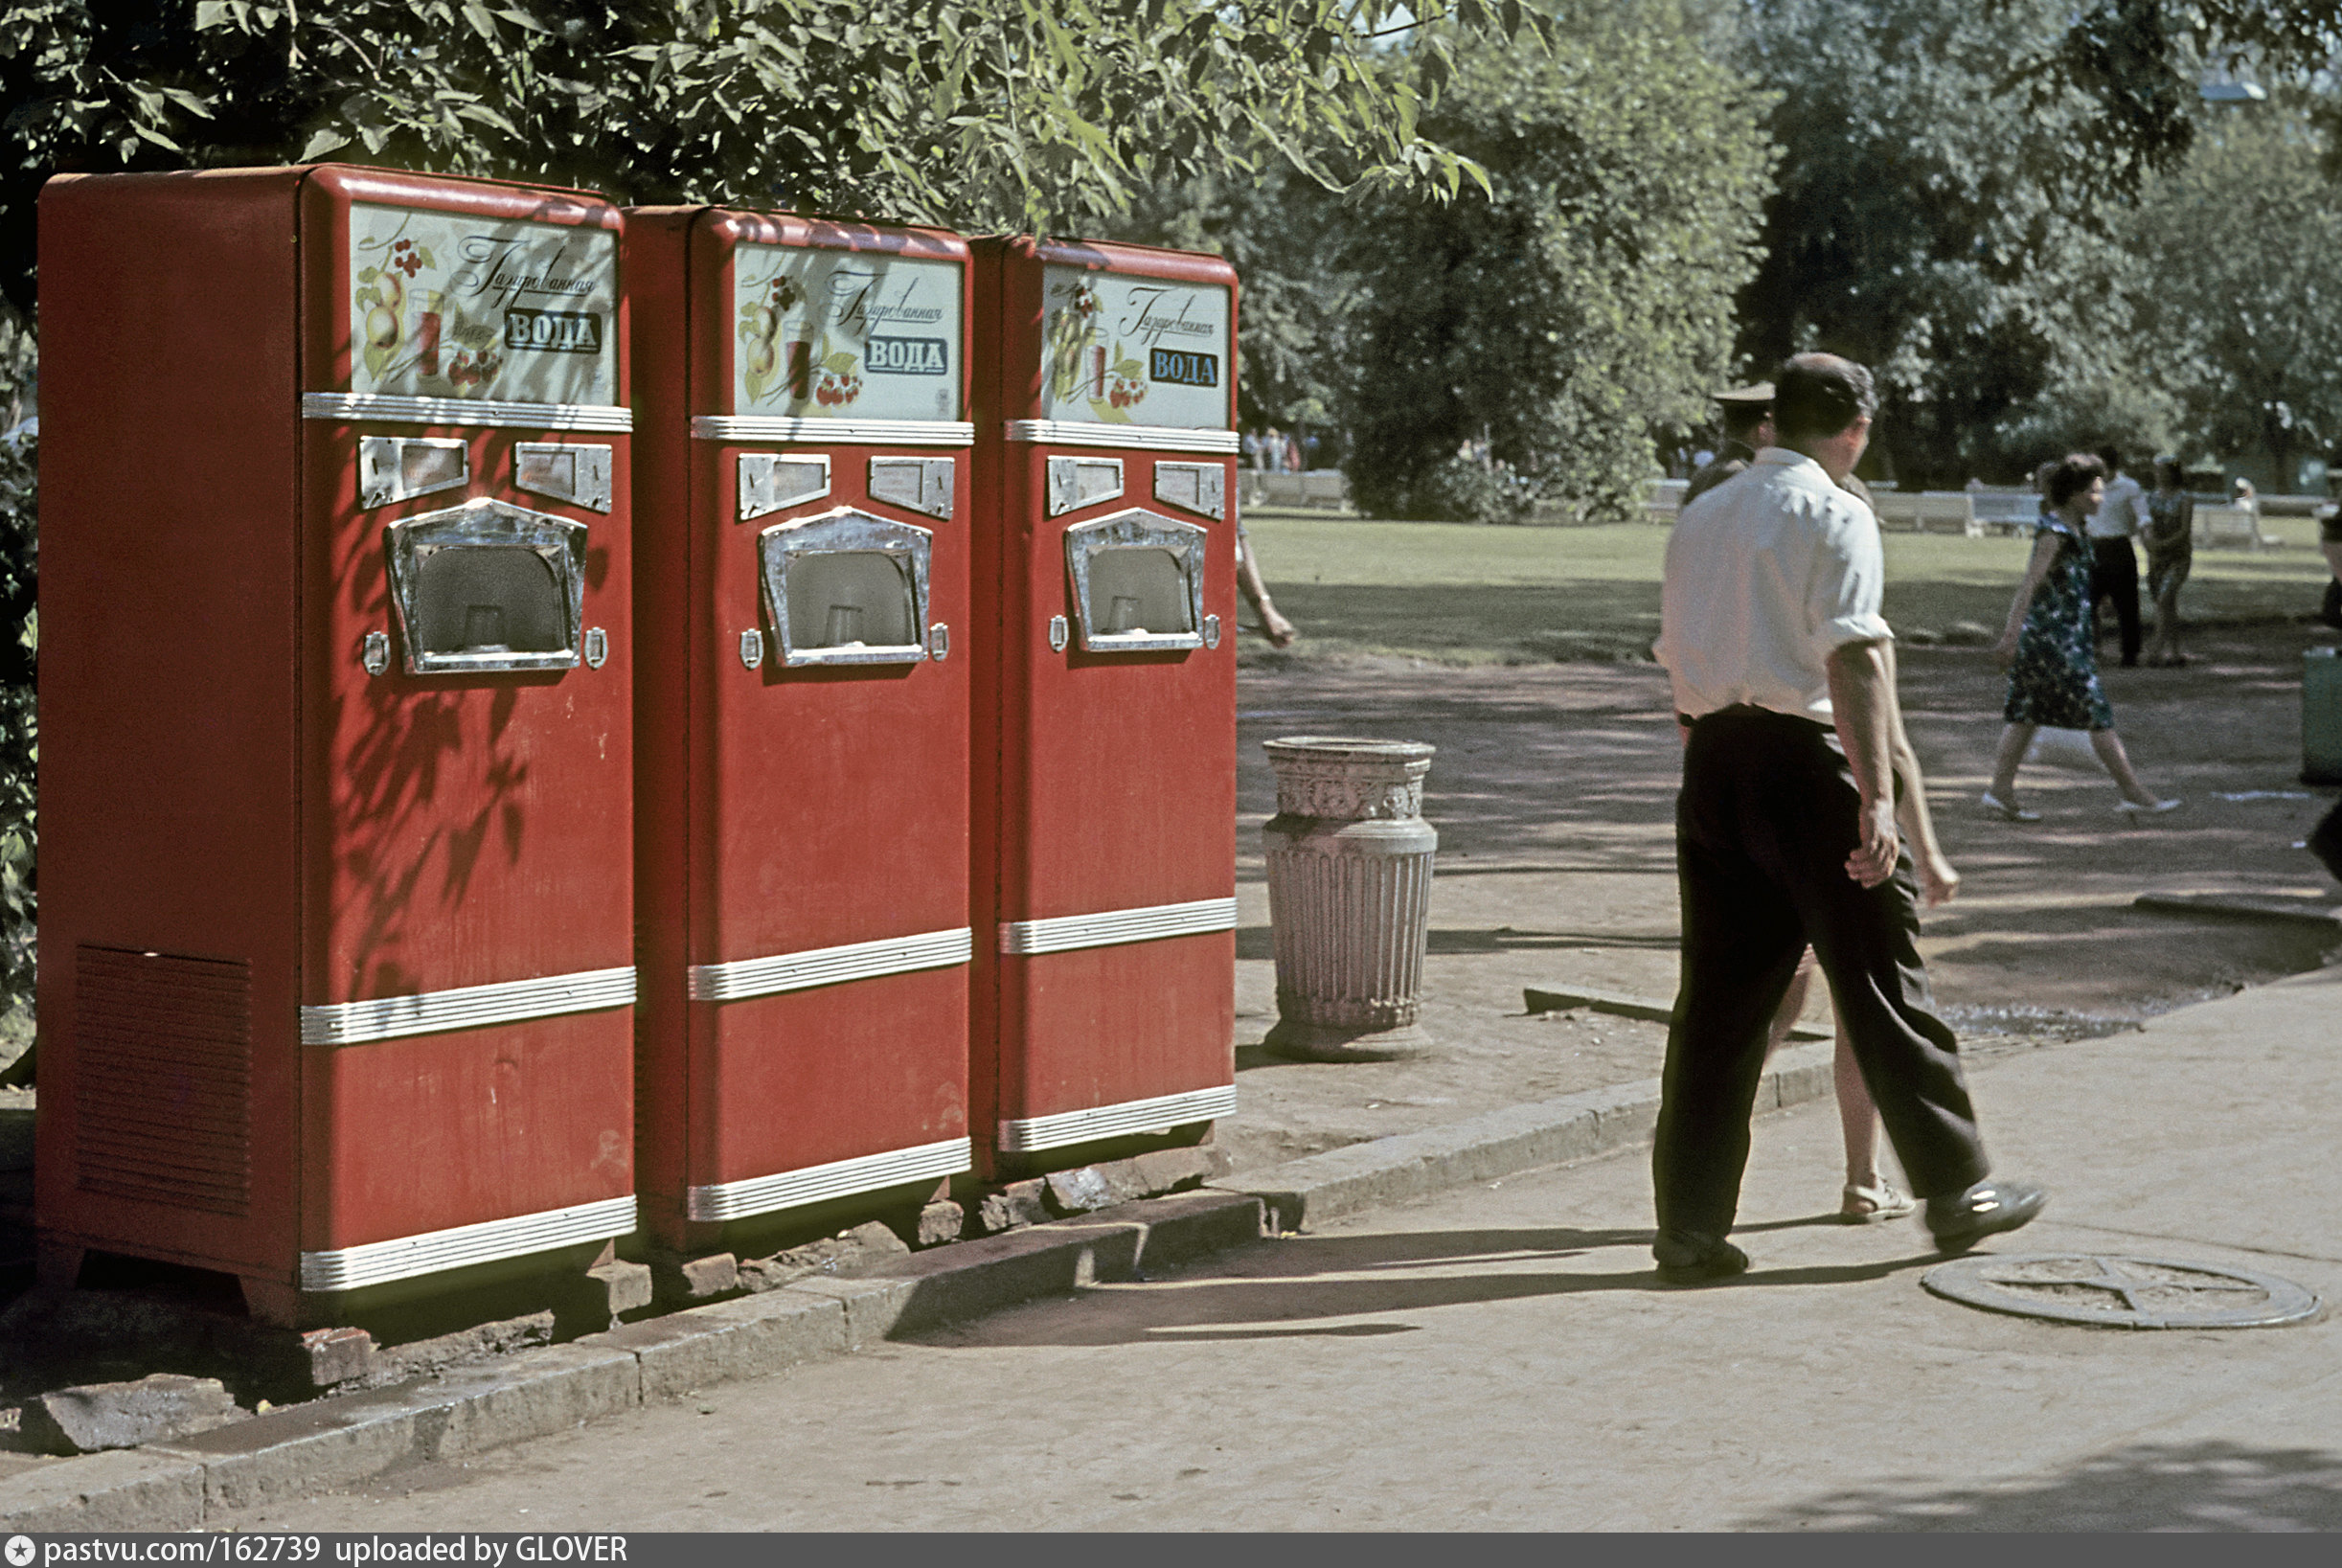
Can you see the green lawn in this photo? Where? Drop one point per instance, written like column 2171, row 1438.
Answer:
column 1459, row 592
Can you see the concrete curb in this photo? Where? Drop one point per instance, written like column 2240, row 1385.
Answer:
column 290, row 1453
column 1501, row 1143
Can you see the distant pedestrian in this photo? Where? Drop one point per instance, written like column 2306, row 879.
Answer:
column 2114, row 561
column 2171, row 556
column 2330, row 545
column 2051, row 649
column 1272, row 447
column 1747, row 416
column 1786, row 834
column 1294, row 461
column 1252, row 449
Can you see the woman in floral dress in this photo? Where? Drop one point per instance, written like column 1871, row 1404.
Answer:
column 2050, row 652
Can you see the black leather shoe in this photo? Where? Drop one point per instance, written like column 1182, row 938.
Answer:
column 1694, row 1257
column 1986, row 1208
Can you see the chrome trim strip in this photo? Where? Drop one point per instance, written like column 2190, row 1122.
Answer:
column 1025, row 1135
column 378, row 1263
column 840, row 1178
column 828, row 966
column 1112, row 927
column 835, row 432
column 1151, row 438
column 466, row 1007
column 463, row 410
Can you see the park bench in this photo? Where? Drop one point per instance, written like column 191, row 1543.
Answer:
column 1327, row 489
column 2224, row 526
column 2005, row 509
column 1925, row 511
column 1664, row 499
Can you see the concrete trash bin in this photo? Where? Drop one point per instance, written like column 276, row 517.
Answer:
column 1349, row 897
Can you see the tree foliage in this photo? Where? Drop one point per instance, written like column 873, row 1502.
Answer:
column 1559, row 315
column 1043, row 114
column 2238, row 287
column 1929, row 221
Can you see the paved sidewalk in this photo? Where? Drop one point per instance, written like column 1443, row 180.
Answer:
column 1501, row 1357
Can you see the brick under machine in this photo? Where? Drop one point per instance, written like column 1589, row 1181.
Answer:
column 803, row 597
column 1106, row 767
column 336, row 768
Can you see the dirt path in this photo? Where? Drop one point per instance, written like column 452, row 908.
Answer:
column 1553, row 792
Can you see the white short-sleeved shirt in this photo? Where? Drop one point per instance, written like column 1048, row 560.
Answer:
column 2119, row 516
column 1767, row 577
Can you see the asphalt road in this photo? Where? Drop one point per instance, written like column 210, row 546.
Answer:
column 1501, row 1357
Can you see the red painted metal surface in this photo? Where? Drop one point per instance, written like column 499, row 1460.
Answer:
column 782, row 809
column 223, row 779
column 1110, row 779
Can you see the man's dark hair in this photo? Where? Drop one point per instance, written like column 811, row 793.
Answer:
column 1740, row 419
column 1818, row 395
column 2168, row 471
column 2072, row 475
column 2112, row 457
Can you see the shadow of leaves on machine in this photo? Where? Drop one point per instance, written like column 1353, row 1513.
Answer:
column 2213, row 1485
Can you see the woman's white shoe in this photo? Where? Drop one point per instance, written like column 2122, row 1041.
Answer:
column 2011, row 812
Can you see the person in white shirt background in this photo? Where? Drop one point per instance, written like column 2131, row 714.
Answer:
column 2114, row 563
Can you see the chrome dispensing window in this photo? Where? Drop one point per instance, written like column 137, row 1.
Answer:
column 488, row 586
column 1138, row 582
column 847, row 588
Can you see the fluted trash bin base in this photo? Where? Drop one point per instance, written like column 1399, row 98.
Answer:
column 1350, row 862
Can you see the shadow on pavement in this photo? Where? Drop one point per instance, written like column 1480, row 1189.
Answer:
column 2199, row 1485
column 1315, row 1279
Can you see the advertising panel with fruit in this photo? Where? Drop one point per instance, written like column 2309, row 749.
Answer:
column 1133, row 350
column 845, row 334
column 449, row 306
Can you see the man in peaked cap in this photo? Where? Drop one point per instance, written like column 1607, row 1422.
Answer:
column 1748, row 426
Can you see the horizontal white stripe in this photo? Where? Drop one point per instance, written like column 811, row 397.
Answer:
column 833, row 432
column 840, row 1178
column 1130, row 1119
column 1151, row 438
column 380, row 405
column 1115, row 926
column 468, row 1007
column 378, row 1263
column 828, row 966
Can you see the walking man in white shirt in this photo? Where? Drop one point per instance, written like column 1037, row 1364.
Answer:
column 1790, row 831
column 2114, row 561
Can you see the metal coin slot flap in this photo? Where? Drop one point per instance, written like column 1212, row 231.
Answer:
column 399, row 468
column 1199, row 488
column 846, row 589
column 1077, row 482
column 488, row 586
column 915, row 484
column 769, row 481
column 1138, row 582
column 578, row 472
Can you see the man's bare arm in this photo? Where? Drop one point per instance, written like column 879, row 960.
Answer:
column 1862, row 703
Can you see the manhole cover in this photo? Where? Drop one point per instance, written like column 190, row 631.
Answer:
column 2122, row 1292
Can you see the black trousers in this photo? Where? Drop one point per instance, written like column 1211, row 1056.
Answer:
column 2114, row 574
column 1767, row 815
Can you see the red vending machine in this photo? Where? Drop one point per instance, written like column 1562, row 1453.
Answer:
column 337, row 719
column 801, row 562
column 1105, row 780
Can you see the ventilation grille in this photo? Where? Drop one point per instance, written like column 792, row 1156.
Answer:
column 161, row 1080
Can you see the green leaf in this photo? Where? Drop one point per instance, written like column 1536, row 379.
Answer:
column 319, row 143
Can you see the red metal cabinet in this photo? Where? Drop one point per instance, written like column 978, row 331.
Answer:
column 1105, row 781
column 336, row 914
column 802, row 744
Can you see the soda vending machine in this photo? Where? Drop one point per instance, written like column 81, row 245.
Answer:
column 1105, row 778
column 337, row 910
column 801, row 563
